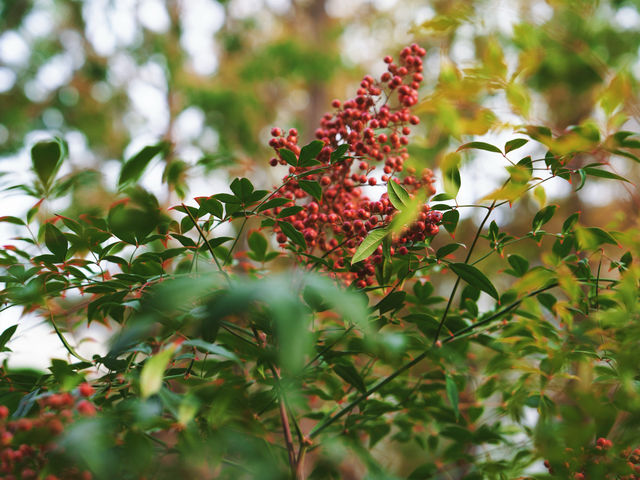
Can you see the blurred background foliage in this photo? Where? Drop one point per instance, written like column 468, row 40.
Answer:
column 210, row 78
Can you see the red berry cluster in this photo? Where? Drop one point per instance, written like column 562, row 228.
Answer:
column 624, row 467
column 375, row 126
column 25, row 443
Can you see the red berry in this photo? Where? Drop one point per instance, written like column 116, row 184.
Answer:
column 85, row 389
column 86, row 408
column 276, row 132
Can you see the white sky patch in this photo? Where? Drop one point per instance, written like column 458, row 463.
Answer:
column 245, row 8
column 57, row 72
column 7, row 79
column 384, row 5
column 38, row 23
column 628, row 18
column 153, row 15
column 97, row 29
column 541, row 12
column 340, row 8
column 14, row 50
column 279, row 6
column 150, row 102
column 201, row 19
column 188, row 125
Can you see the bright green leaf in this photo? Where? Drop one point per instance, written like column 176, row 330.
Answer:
column 369, row 245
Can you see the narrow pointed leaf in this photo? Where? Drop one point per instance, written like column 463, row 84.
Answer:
column 398, row 196
column 474, row 277
column 369, row 245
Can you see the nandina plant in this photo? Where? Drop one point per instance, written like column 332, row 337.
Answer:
column 342, row 332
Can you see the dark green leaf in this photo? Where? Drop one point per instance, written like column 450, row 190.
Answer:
column 339, row 152
column 273, row 203
column 309, row 152
column 568, row 224
column 542, row 217
column 519, row 264
column 10, row 219
column 392, row 301
column 242, row 189
column 291, row 232
column 56, row 242
column 583, row 178
column 46, row 158
column 479, row 146
column 450, row 220
column 287, row 212
column 475, row 277
column 596, row 172
column 288, row 156
column 514, row 144
column 6, row 336
column 133, row 168
column 211, row 206
column 313, row 188
column 448, row 249
column 350, row 375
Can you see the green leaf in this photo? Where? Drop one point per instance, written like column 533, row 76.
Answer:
column 153, row 372
column 452, row 394
column 441, row 197
column 56, row 241
column 479, row 146
column 451, row 174
column 273, row 203
column 313, row 188
column 288, row 156
column 133, row 168
column 569, row 223
column 242, row 189
column 511, row 145
column 350, row 375
column 46, row 158
column 448, row 249
column 10, row 219
column 474, row 277
column 583, row 178
column 211, row 348
column 450, row 220
column 542, row 217
column 369, row 244
column 258, row 244
column 398, row 196
column 596, row 172
column 287, row 212
column 519, row 264
column 211, row 206
column 392, row 301
column 291, row 232
column 591, row 238
column 339, row 152
column 6, row 336
column 309, row 152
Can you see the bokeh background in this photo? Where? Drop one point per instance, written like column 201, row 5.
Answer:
column 212, row 77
